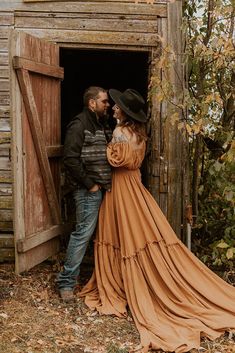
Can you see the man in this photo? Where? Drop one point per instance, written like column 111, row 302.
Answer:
column 87, row 173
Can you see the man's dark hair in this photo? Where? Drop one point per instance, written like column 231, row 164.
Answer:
column 92, row 93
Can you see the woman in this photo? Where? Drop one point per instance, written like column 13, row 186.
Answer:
column 139, row 261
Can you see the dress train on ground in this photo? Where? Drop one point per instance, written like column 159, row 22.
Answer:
column 140, row 262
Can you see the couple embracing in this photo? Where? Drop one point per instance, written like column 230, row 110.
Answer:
column 139, row 261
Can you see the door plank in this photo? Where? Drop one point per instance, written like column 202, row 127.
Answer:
column 32, row 209
column 35, row 126
column 26, row 244
column 40, row 68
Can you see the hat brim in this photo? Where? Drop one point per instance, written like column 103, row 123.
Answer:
column 115, row 95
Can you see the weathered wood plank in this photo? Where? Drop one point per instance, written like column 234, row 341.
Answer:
column 4, row 85
column 153, row 185
column 6, row 226
column 6, row 18
column 90, row 7
column 175, row 177
column 164, row 136
column 5, row 176
column 36, row 131
column 78, row 23
column 6, row 241
column 37, row 239
column 5, row 163
column 80, row 15
column 96, row 37
column 4, row 111
column 37, row 255
column 123, row 1
column 17, row 148
column 3, row 45
column 163, row 203
column 6, row 216
column 7, row 255
column 4, row 72
column 5, row 124
column 5, row 150
column 4, row 60
column 5, row 137
column 4, row 32
column 6, row 202
column 4, row 98
column 5, row 189
column 39, row 68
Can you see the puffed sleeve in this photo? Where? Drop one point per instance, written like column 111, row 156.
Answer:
column 119, row 154
column 123, row 152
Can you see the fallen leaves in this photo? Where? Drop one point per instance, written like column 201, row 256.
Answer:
column 34, row 320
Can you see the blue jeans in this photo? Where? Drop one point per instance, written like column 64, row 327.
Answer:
column 87, row 209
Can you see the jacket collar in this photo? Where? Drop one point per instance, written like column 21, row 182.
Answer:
column 92, row 116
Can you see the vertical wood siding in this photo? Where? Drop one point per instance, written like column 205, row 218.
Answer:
column 6, row 226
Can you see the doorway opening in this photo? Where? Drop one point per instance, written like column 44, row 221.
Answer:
column 119, row 69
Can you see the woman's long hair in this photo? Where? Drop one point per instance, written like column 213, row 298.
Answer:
column 138, row 128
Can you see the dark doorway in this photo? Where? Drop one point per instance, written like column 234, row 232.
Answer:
column 106, row 68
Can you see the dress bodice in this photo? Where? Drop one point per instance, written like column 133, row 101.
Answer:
column 127, row 154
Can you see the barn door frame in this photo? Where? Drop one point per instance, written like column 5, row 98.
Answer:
column 31, row 249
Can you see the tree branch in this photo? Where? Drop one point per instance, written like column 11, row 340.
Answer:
column 210, row 20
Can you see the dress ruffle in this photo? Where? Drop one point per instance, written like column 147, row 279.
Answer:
column 140, row 262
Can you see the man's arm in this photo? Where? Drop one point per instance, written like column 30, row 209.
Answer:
column 72, row 154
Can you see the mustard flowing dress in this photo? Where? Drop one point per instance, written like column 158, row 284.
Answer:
column 140, row 262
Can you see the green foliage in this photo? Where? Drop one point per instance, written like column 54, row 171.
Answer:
column 209, row 27
column 209, row 100
column 215, row 227
column 221, row 253
column 210, row 52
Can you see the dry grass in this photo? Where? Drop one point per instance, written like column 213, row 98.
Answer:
column 34, row 320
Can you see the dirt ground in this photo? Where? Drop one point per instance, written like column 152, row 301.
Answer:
column 34, row 320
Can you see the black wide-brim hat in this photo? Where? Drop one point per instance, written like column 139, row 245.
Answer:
column 131, row 102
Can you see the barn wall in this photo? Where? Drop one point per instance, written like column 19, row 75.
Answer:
column 91, row 23
column 100, row 24
column 6, row 226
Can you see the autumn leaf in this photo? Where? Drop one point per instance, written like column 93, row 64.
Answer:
column 222, row 245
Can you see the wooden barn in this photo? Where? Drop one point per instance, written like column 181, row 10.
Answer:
column 50, row 51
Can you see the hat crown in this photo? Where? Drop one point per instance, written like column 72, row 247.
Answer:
column 132, row 100
column 131, row 103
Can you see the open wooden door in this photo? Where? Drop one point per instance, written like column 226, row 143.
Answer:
column 35, row 92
